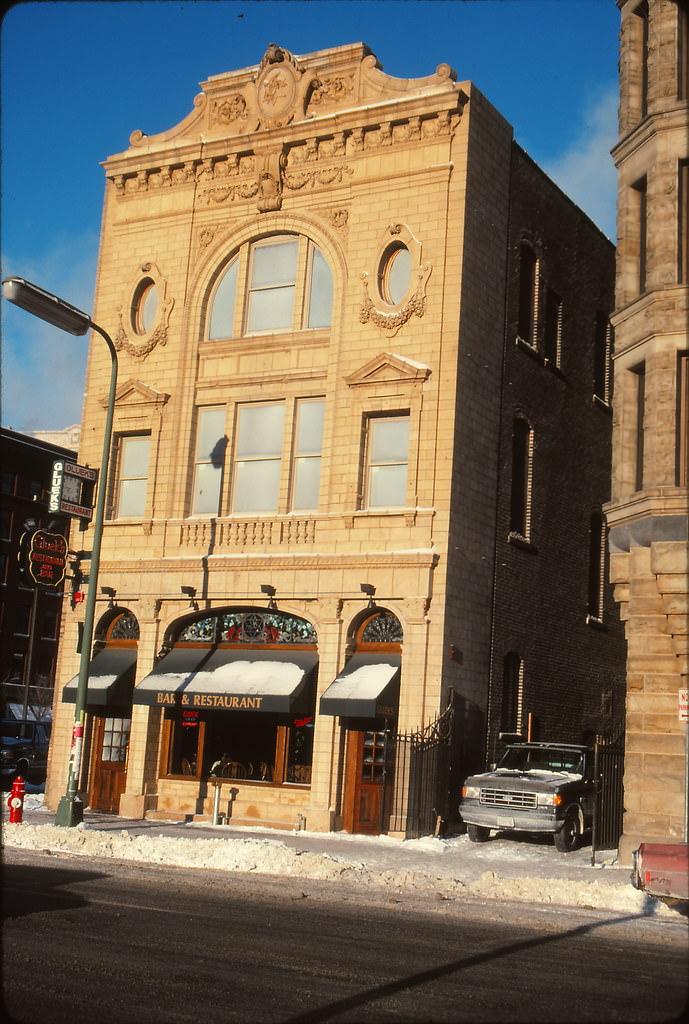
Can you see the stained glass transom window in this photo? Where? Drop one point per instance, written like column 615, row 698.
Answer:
column 249, row 627
column 125, row 627
column 384, row 628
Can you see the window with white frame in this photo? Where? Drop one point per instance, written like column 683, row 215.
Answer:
column 258, row 458
column 210, row 457
column 306, row 459
column 279, row 283
column 131, row 483
column 387, row 461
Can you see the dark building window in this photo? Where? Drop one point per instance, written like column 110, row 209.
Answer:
column 639, row 83
column 552, row 340
column 683, row 49
column 639, row 190
column 683, row 222
column 640, row 379
column 522, row 465
column 528, row 296
column 512, row 693
column 596, row 581
column 601, row 357
column 683, row 419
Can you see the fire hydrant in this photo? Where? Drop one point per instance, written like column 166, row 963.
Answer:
column 16, row 801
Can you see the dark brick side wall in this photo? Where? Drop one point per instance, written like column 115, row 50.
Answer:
column 573, row 670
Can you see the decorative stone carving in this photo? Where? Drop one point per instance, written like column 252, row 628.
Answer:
column 326, row 176
column 281, row 88
column 270, row 167
column 228, row 110
column 375, row 308
column 158, row 334
column 331, row 91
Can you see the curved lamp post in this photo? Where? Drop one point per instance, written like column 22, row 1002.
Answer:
column 68, row 318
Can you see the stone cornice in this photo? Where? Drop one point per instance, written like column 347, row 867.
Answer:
column 288, row 124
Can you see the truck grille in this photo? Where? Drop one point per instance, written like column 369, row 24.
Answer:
column 507, row 798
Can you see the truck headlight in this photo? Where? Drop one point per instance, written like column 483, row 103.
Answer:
column 471, row 792
column 549, row 799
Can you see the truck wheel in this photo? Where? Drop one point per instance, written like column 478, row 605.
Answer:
column 478, row 833
column 22, row 769
column 568, row 836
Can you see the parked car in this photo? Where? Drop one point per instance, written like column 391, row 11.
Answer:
column 537, row 787
column 24, row 750
column 662, row 869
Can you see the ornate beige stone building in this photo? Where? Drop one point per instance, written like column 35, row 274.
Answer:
column 648, row 511
column 313, row 282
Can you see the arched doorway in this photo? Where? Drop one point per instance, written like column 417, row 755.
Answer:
column 366, row 697
column 117, row 636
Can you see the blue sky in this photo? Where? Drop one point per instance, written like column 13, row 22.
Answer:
column 79, row 77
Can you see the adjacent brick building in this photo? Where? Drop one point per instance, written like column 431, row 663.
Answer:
column 29, row 614
column 650, row 479
column 362, row 441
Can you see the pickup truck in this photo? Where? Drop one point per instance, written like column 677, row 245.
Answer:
column 24, row 750
column 537, row 787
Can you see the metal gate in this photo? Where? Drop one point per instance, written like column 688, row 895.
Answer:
column 419, row 762
column 608, row 767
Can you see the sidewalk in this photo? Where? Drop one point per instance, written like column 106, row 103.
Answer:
column 510, row 869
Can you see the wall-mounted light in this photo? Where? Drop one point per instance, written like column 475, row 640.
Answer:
column 369, row 590
column 190, row 592
column 111, row 593
column 269, row 590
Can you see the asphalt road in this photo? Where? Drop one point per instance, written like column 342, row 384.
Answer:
column 106, row 941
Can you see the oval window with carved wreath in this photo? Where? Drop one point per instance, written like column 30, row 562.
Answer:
column 394, row 273
column 145, row 306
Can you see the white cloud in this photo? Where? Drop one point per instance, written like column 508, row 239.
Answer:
column 585, row 170
column 43, row 368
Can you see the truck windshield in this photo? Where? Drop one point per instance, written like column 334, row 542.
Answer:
column 526, row 759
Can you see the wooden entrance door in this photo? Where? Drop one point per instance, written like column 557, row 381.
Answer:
column 365, row 779
column 109, row 760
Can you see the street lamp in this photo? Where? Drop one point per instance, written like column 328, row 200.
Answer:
column 68, row 318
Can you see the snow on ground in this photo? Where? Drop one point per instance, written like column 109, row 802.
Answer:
column 451, row 867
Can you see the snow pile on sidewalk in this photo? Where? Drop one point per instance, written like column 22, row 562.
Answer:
column 274, row 857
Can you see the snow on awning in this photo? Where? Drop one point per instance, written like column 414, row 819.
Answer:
column 230, row 680
column 367, row 687
column 110, row 679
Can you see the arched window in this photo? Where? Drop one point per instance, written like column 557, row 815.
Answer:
column 279, row 283
column 380, row 628
column 252, row 627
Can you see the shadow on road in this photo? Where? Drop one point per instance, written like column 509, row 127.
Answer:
column 323, row 1013
column 32, row 889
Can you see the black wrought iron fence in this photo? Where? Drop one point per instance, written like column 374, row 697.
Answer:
column 608, row 767
column 421, row 765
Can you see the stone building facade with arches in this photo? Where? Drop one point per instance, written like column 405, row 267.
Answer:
column 357, row 333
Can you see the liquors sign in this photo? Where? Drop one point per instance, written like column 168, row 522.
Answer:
column 43, row 557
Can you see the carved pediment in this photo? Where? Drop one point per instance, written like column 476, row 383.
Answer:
column 135, row 393
column 388, row 368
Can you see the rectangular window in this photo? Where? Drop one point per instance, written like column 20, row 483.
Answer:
column 683, row 419
column 272, row 286
column 387, row 461
column 601, row 358
column 639, row 189
column 640, row 380
column 258, row 457
column 683, row 222
column 642, row 13
column 132, row 476
column 552, row 341
column 512, row 693
column 522, row 472
column 306, row 464
column 210, row 458
column 320, row 290
column 683, row 49
column 528, row 296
